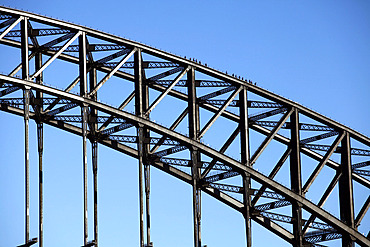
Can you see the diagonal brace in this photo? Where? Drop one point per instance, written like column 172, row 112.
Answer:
column 6, row 31
column 163, row 75
column 362, row 212
column 69, row 88
column 326, row 157
column 111, row 73
column 51, row 59
column 271, row 175
column 219, row 112
column 164, row 93
column 8, row 22
column 123, row 105
column 322, row 200
column 222, row 150
column 57, row 41
column 270, row 137
column 173, row 126
column 19, row 67
column 112, row 56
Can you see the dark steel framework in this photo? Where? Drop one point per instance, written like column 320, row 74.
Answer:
column 207, row 170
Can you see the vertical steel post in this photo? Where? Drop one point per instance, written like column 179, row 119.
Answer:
column 346, row 190
column 84, row 167
column 140, row 135
column 40, row 138
column 296, row 178
column 82, row 64
column 94, row 150
column 146, row 148
column 24, row 49
column 244, row 152
column 194, row 154
column 84, row 113
column 147, row 193
column 26, row 97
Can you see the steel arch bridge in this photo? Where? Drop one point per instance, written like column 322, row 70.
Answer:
column 201, row 105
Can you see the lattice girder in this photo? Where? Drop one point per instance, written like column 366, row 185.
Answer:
column 107, row 125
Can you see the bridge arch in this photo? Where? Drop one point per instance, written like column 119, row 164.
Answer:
column 222, row 96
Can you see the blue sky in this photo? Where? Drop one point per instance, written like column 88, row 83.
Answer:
column 314, row 53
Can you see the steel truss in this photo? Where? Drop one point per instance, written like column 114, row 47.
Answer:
column 209, row 170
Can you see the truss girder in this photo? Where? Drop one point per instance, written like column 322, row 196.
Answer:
column 91, row 48
column 272, row 205
column 228, row 166
column 354, row 151
column 168, row 151
column 133, row 139
column 199, row 83
column 8, row 91
column 251, row 104
column 302, row 126
column 146, row 65
column 309, row 206
column 220, row 176
column 19, row 101
column 362, row 172
column 39, row 32
column 362, row 164
column 240, row 190
column 117, row 128
column 185, row 162
column 289, row 219
column 320, row 236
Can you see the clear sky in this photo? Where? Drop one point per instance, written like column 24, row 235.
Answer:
column 314, row 52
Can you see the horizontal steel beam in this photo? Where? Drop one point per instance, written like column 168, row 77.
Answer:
column 354, row 151
column 38, row 32
column 302, row 126
column 320, row 236
column 198, row 83
column 272, row 205
column 168, row 151
column 289, row 219
column 360, row 165
column 146, row 65
column 150, row 140
column 318, row 137
column 116, row 128
column 220, row 176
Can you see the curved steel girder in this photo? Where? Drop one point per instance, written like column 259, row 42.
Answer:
column 230, row 115
column 222, row 197
column 332, row 164
column 204, row 70
column 235, row 204
column 185, row 62
column 260, row 178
